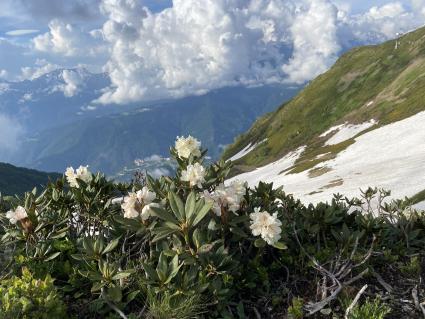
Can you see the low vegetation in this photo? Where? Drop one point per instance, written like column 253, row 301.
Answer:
column 189, row 246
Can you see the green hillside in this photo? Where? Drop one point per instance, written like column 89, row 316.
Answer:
column 384, row 82
column 17, row 180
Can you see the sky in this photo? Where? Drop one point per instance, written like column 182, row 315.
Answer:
column 153, row 49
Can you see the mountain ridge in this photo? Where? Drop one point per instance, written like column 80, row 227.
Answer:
column 17, row 180
column 366, row 89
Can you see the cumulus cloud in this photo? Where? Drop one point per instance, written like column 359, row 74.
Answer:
column 41, row 67
column 3, row 74
column 385, row 22
column 193, row 46
column 314, row 36
column 10, row 134
column 68, row 40
column 199, row 45
column 73, row 80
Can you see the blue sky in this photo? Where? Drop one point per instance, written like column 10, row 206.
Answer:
column 194, row 45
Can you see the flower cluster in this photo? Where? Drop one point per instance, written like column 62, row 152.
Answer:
column 187, row 146
column 194, row 174
column 16, row 215
column 265, row 225
column 229, row 198
column 82, row 173
column 139, row 204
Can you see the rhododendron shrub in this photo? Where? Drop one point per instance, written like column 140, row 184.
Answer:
column 189, row 234
column 223, row 250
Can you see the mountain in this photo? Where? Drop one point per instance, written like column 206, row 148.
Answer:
column 359, row 124
column 111, row 142
column 17, row 180
column 53, row 99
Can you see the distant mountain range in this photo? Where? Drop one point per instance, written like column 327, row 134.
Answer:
column 17, row 180
column 62, row 127
column 360, row 124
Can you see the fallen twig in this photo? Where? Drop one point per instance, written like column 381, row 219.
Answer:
column 356, row 299
column 383, row 283
column 419, row 306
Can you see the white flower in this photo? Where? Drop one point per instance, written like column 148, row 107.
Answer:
column 18, row 214
column 239, row 187
column 213, row 199
column 139, row 204
column 82, row 173
column 145, row 196
column 187, row 146
column 131, row 206
column 265, row 225
column 147, row 210
column 226, row 197
column 194, row 174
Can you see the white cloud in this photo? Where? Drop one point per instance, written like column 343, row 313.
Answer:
column 382, row 23
column 10, row 134
column 199, row 45
column 20, row 32
column 315, row 41
column 25, row 98
column 3, row 74
column 73, row 81
column 42, row 67
column 68, row 40
column 194, row 46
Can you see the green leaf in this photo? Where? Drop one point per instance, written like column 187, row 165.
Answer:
column 164, row 215
column 122, row 274
column 197, row 238
column 111, row 246
column 190, row 205
column 280, row 245
column 114, row 294
column 202, row 212
column 150, row 272
column 259, row 243
column 132, row 295
column 97, row 286
column 52, row 256
column 238, row 231
column 175, row 269
column 162, row 267
column 98, row 245
column 176, row 205
column 162, row 234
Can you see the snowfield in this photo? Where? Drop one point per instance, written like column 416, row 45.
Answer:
column 390, row 157
column 245, row 150
column 346, row 131
column 419, row 206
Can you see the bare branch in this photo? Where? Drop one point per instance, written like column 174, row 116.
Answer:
column 356, row 299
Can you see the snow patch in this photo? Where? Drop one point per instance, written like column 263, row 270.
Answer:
column 419, row 206
column 272, row 171
column 347, row 131
column 245, row 150
column 332, row 130
column 390, row 157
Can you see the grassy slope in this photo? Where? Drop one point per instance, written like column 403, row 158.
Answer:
column 393, row 78
column 17, row 180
